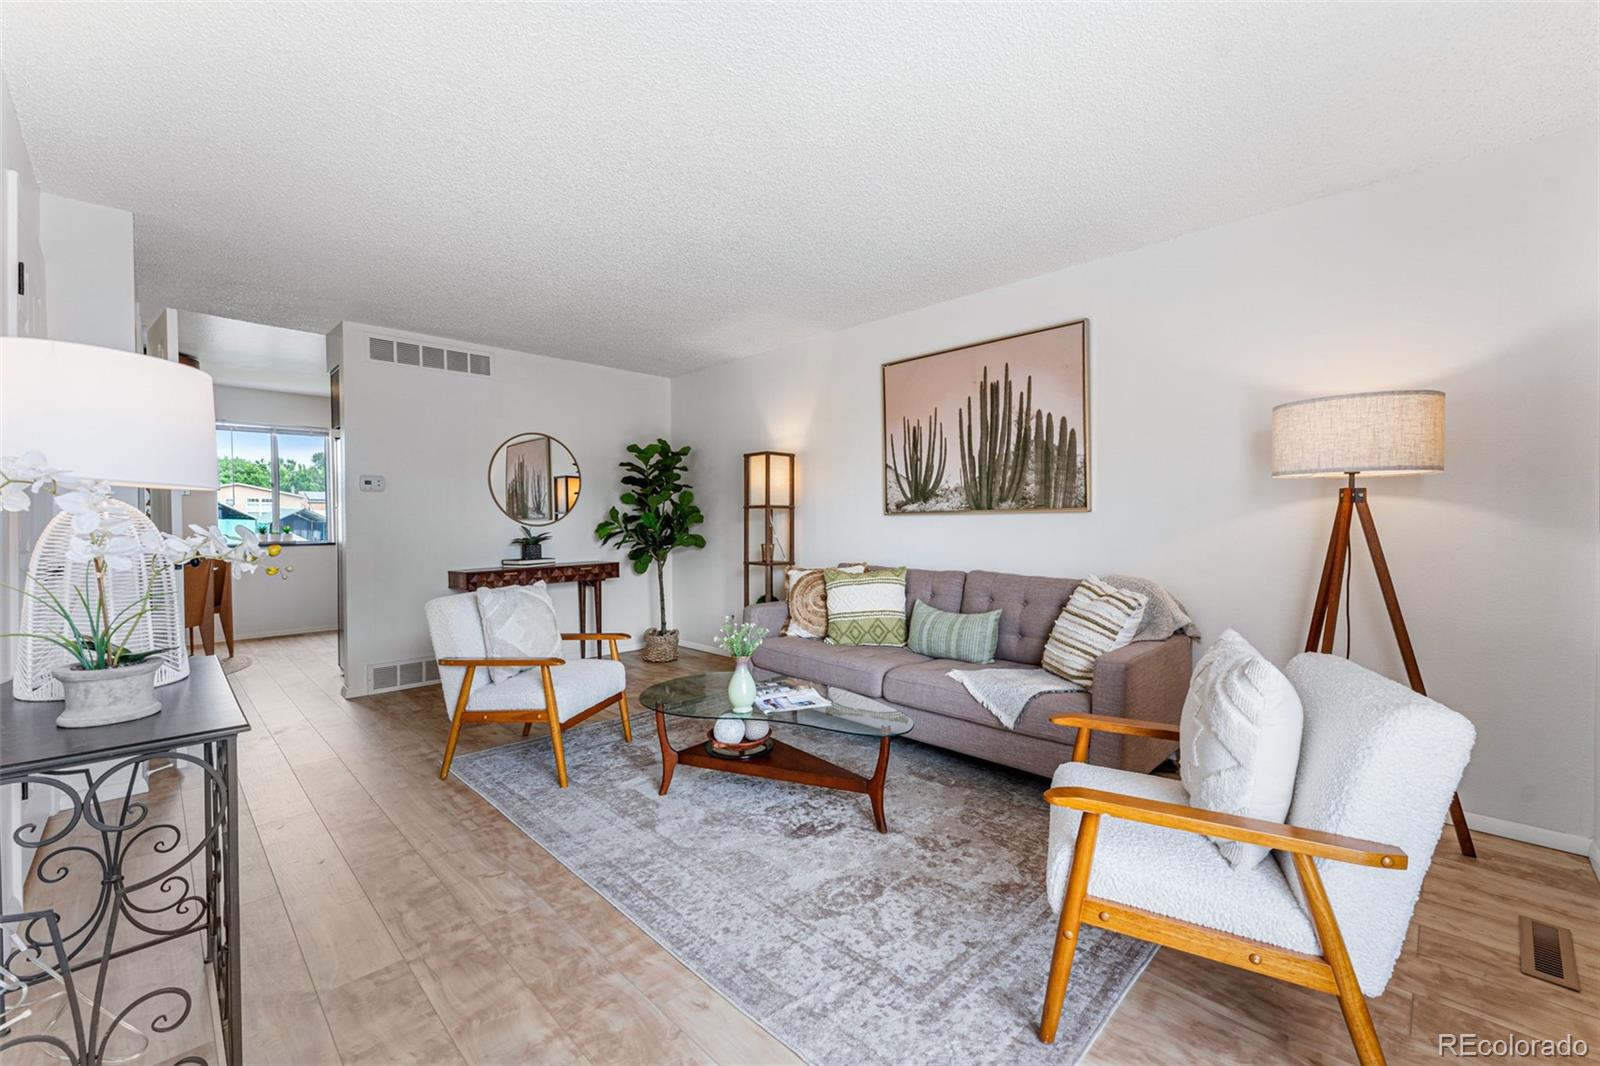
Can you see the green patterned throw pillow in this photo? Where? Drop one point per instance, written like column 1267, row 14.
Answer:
column 867, row 608
column 972, row 638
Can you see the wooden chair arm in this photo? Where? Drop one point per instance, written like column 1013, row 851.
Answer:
column 1110, row 723
column 1249, row 830
column 503, row 662
column 595, row 636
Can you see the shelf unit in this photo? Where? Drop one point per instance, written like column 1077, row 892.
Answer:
column 769, row 503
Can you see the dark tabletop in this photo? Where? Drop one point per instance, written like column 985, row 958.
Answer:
column 195, row 710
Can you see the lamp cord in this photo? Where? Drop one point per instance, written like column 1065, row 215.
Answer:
column 1349, row 565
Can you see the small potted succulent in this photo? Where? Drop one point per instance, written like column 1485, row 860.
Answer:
column 532, row 543
column 740, row 640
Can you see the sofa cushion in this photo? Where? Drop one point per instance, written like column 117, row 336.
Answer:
column 936, row 588
column 859, row 668
column 949, row 635
column 1097, row 619
column 1028, row 608
column 867, row 608
column 927, row 686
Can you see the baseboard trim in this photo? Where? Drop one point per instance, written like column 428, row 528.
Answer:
column 1594, row 859
column 697, row 646
column 269, row 634
column 1532, row 834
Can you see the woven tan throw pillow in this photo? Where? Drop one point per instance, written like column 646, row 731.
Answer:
column 1097, row 619
column 808, row 601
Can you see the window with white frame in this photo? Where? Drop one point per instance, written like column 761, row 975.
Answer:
column 275, row 479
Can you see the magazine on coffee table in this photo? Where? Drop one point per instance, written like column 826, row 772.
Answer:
column 788, row 696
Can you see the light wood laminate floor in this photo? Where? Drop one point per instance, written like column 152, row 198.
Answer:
column 392, row 918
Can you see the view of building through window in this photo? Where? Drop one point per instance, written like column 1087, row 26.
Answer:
column 274, row 479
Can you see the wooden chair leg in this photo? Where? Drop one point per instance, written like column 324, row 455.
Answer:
column 527, row 728
column 1067, row 931
column 450, row 747
column 622, row 707
column 1351, row 1002
column 455, row 720
column 561, row 755
column 555, row 725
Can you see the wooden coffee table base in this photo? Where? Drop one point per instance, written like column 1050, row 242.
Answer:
column 782, row 763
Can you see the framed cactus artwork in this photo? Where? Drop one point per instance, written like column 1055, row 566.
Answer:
column 1001, row 425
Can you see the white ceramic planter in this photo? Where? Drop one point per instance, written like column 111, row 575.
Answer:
column 104, row 697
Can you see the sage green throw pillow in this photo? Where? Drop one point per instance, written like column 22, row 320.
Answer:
column 971, row 638
column 867, row 608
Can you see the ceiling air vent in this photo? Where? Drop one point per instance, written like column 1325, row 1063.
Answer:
column 1547, row 952
column 408, row 353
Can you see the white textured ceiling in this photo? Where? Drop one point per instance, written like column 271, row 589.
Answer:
column 252, row 356
column 664, row 186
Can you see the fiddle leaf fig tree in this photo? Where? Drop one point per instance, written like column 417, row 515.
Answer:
column 658, row 512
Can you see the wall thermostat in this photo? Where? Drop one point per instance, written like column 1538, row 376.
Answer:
column 371, row 482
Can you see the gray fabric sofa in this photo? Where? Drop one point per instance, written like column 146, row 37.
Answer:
column 1146, row 679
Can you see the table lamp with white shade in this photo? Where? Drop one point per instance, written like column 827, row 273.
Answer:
column 1379, row 434
column 113, row 416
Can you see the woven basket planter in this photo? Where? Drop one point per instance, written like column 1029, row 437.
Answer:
column 660, row 647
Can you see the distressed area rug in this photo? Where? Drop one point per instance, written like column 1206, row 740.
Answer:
column 928, row 944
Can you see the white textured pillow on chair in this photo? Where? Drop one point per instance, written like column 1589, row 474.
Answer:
column 1240, row 740
column 518, row 623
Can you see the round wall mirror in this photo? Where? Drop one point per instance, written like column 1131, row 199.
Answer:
column 534, row 479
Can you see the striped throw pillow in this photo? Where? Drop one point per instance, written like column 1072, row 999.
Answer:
column 867, row 608
column 972, row 638
column 1097, row 619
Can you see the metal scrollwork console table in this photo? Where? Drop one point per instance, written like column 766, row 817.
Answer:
column 147, row 879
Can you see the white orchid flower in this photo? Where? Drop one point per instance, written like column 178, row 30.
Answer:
column 14, row 495
column 209, row 543
column 30, row 467
column 86, row 509
column 122, row 552
column 174, row 548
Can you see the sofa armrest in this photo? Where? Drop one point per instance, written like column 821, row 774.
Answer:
column 770, row 616
column 1147, row 679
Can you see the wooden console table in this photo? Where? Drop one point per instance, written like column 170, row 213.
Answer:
column 586, row 575
column 144, row 882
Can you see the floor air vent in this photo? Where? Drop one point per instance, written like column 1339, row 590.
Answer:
column 386, row 677
column 406, row 353
column 1547, row 953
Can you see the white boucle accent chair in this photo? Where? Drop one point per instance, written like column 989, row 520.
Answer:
column 560, row 692
column 1377, row 761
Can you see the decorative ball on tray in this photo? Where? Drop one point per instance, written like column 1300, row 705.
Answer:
column 728, row 730
column 756, row 729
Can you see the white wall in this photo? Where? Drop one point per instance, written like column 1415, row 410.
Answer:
column 431, row 434
column 307, row 600
column 90, row 251
column 1478, row 278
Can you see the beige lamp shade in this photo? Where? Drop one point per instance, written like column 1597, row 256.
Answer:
column 114, row 416
column 1373, row 433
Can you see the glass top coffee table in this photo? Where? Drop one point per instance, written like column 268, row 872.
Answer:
column 706, row 696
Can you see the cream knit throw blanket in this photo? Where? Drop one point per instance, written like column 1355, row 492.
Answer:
column 1006, row 693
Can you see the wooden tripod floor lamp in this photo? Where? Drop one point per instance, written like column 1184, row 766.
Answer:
column 1380, row 434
